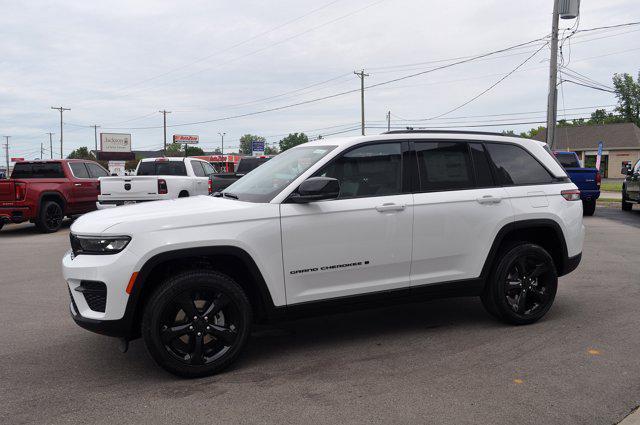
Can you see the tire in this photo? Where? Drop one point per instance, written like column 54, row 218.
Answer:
column 183, row 194
column 589, row 207
column 1, row 224
column 502, row 296
column 172, row 337
column 49, row 217
column 626, row 206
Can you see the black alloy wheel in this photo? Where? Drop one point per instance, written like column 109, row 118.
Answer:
column 522, row 286
column 50, row 217
column 199, row 327
column 196, row 323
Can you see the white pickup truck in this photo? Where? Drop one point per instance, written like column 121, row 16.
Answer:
column 156, row 179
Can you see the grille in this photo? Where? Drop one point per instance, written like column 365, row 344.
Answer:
column 95, row 294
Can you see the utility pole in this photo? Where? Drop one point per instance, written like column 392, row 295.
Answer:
column 565, row 9
column 41, row 151
column 164, row 115
column 389, row 121
column 61, row 109
column 361, row 74
column 6, row 151
column 95, row 136
column 51, row 144
column 222, row 148
column 553, row 78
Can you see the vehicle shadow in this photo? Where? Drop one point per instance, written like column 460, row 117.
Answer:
column 631, row 218
column 27, row 228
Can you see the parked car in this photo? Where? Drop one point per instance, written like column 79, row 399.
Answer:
column 44, row 192
column 330, row 224
column 220, row 181
column 631, row 186
column 157, row 179
column 587, row 179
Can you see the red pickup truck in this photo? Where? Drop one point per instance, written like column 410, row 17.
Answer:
column 44, row 192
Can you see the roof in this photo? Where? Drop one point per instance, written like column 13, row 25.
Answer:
column 624, row 135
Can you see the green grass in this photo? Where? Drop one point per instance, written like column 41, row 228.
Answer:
column 611, row 186
column 608, row 200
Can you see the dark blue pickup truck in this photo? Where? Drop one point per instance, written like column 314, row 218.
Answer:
column 587, row 179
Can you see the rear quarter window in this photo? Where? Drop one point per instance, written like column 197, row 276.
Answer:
column 516, row 166
column 38, row 170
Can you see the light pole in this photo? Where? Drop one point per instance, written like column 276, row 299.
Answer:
column 222, row 147
column 61, row 109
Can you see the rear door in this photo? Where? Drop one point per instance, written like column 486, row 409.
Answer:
column 201, row 178
column 83, row 188
column 458, row 211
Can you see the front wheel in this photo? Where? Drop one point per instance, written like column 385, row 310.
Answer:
column 196, row 323
column 589, row 207
column 522, row 285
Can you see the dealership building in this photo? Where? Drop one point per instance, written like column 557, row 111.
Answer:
column 621, row 144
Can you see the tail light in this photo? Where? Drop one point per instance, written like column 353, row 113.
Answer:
column 598, row 178
column 571, row 195
column 210, row 187
column 162, row 187
column 21, row 191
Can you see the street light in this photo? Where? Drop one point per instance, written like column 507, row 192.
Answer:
column 222, row 148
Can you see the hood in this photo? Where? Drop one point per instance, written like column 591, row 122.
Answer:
column 156, row 215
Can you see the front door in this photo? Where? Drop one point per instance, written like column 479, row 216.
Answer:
column 83, row 189
column 201, row 178
column 358, row 243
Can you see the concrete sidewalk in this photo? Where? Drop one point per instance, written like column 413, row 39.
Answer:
column 632, row 419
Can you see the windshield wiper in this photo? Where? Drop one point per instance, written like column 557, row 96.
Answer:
column 229, row 195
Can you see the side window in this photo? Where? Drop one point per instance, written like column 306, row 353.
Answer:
column 371, row 170
column 208, row 168
column 197, row 169
column 79, row 170
column 516, row 166
column 96, row 171
column 481, row 165
column 636, row 169
column 444, row 166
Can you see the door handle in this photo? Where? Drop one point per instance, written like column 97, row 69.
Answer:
column 77, row 184
column 488, row 199
column 390, row 207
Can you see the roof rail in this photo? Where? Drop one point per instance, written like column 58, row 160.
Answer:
column 410, row 130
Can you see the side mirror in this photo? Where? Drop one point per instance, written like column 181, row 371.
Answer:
column 316, row 189
column 626, row 170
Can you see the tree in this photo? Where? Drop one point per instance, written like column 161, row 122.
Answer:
column 271, row 150
column 529, row 134
column 293, row 139
column 177, row 149
column 81, row 153
column 628, row 94
column 247, row 140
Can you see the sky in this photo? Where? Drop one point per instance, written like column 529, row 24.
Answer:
column 117, row 63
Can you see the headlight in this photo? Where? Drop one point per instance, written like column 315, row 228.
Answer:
column 98, row 245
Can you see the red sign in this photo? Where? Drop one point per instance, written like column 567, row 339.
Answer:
column 17, row 159
column 185, row 139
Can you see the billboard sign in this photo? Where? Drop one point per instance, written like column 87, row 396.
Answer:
column 257, row 148
column 185, row 139
column 115, row 142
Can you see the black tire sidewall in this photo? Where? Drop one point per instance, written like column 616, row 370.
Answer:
column 175, row 285
column 41, row 222
column 496, row 288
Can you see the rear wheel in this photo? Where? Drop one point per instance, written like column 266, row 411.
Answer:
column 197, row 323
column 183, row 194
column 49, row 217
column 589, row 207
column 522, row 285
column 1, row 224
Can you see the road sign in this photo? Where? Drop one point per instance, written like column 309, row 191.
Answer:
column 185, row 139
column 257, row 148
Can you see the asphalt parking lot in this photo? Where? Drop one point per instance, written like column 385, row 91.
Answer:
column 444, row 361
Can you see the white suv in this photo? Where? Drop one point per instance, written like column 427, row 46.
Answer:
column 395, row 217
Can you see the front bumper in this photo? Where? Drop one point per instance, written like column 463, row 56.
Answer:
column 571, row 264
column 122, row 328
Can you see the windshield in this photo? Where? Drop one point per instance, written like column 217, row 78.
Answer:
column 265, row 182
